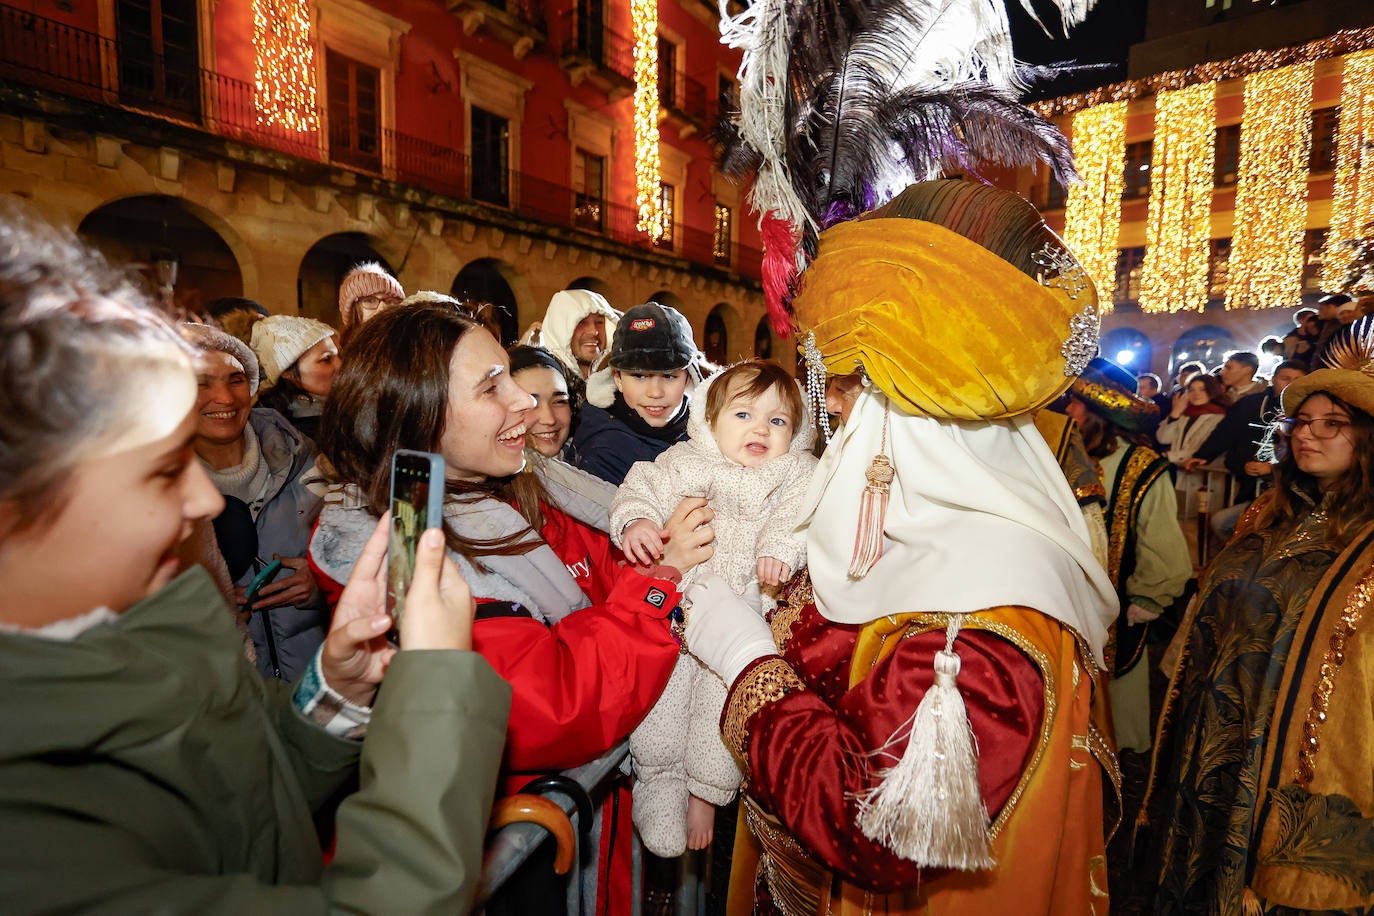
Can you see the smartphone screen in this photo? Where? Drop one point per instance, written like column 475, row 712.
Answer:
column 417, row 494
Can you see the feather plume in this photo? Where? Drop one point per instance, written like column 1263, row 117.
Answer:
column 1353, row 347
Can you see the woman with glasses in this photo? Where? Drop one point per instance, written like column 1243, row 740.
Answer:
column 1266, row 743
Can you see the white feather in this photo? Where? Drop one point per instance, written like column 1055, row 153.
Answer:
column 760, row 33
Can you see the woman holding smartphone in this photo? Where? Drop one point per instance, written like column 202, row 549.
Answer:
column 145, row 765
column 584, row 641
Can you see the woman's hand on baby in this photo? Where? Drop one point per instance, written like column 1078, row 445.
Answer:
column 439, row 615
column 642, row 542
column 772, row 571
column 688, row 536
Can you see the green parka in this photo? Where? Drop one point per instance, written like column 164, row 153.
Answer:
column 146, row 767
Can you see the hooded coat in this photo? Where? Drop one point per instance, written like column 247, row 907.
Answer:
column 145, row 766
column 285, row 637
column 566, row 309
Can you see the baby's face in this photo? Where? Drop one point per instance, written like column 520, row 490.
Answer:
column 751, row 431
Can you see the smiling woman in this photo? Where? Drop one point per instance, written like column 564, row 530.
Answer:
column 530, row 541
column 255, row 456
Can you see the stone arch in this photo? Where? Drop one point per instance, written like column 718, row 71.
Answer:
column 148, row 228
column 1130, row 349
column 763, row 340
column 323, row 268
column 1206, row 343
column 725, row 336
column 667, row 297
column 596, row 285
column 488, row 280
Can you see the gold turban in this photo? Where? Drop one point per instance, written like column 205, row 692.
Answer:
column 942, row 325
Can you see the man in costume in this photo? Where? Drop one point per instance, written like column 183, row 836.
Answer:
column 1147, row 557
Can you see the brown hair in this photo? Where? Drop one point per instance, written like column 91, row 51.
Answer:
column 392, row 393
column 1216, row 391
column 1352, row 495
column 750, row 379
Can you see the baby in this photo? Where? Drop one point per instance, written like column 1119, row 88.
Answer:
column 749, row 454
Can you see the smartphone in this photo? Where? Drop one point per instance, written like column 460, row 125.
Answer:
column 417, row 503
column 268, row 573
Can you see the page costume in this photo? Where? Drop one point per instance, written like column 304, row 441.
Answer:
column 1267, row 742
column 677, row 748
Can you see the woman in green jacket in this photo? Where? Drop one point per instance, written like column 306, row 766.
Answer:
column 145, row 766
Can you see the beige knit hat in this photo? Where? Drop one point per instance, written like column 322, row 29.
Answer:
column 280, row 340
column 370, row 279
column 206, row 339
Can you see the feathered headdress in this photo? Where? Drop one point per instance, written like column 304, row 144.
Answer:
column 1348, row 371
column 843, row 103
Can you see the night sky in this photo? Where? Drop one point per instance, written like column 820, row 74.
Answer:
column 1105, row 37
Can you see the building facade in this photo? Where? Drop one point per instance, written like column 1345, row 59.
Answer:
column 481, row 147
column 1221, row 182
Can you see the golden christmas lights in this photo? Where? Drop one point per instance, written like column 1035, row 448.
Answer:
column 1178, row 231
column 1271, row 191
column 1343, row 42
column 1352, row 205
column 644, row 14
column 1092, row 216
column 284, row 69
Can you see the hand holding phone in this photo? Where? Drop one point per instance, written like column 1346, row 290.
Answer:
column 417, row 502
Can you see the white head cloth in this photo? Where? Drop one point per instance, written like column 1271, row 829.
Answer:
column 980, row 516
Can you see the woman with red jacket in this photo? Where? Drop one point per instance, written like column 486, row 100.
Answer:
column 583, row 640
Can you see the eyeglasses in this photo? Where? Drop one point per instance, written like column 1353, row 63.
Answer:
column 1321, row 427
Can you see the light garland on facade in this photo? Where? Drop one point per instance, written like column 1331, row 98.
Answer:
column 1178, row 231
column 1352, row 205
column 1092, row 215
column 1271, row 190
column 644, row 14
column 284, row 69
column 1343, row 42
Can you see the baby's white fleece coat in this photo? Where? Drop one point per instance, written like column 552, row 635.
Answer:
column 677, row 749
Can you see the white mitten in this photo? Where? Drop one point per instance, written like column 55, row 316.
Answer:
column 723, row 631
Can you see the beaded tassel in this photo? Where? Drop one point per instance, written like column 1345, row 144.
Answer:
column 868, row 539
column 815, row 382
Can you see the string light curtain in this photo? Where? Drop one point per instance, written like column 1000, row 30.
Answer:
column 1178, row 230
column 1352, row 205
column 644, row 14
column 1092, row 216
column 284, row 70
column 1271, row 190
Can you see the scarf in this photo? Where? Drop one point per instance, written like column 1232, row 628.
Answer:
column 980, row 516
column 1198, row 410
column 672, row 431
column 247, row 481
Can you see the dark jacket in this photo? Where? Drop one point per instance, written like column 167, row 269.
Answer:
column 608, row 448
column 1238, row 437
column 145, row 767
column 286, row 637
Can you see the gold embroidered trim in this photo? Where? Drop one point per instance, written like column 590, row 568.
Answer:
column 1090, row 490
column 784, row 616
column 765, row 683
column 1326, row 679
column 796, row 882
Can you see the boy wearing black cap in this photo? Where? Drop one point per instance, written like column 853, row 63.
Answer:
column 637, row 406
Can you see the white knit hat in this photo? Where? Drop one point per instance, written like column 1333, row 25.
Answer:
column 280, row 340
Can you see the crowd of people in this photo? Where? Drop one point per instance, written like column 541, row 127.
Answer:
column 902, row 613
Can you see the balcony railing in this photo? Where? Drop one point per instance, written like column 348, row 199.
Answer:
column 46, row 54
column 589, row 40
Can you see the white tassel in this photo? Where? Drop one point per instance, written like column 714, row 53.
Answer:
column 929, row 808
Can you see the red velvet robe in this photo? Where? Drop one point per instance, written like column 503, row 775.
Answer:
column 808, row 748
